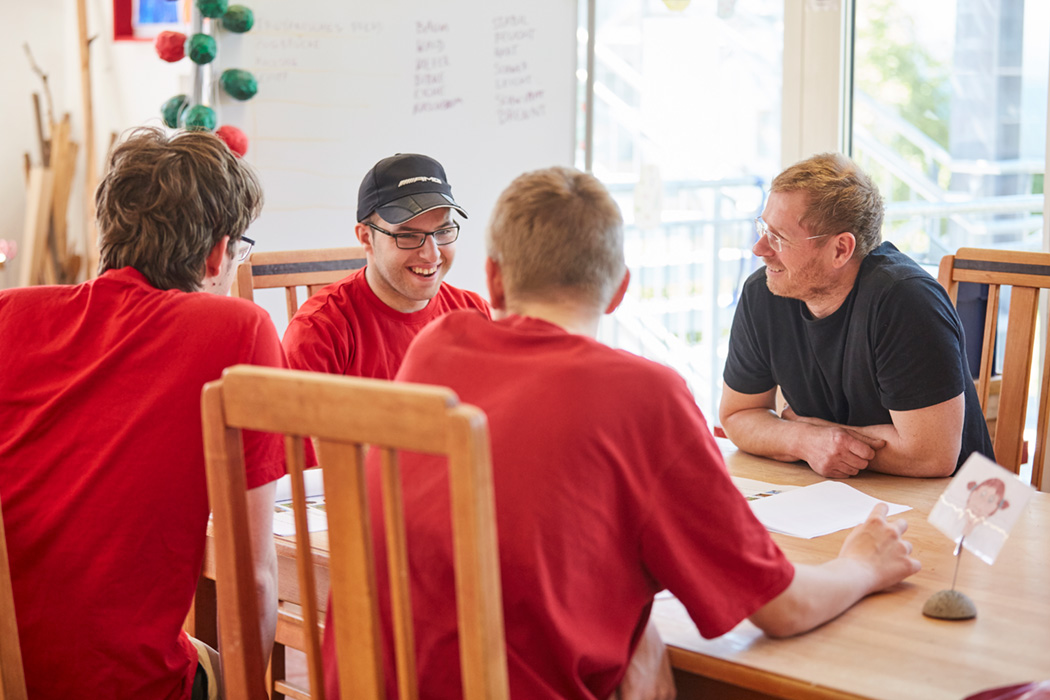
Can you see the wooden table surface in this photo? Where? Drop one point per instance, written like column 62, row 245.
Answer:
column 884, row 647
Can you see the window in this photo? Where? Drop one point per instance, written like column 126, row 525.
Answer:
column 686, row 136
column 949, row 106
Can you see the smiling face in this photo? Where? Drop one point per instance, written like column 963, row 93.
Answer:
column 407, row 280
column 985, row 499
column 802, row 269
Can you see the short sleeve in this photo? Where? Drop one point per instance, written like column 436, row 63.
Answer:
column 747, row 368
column 312, row 342
column 264, row 452
column 701, row 541
column 918, row 346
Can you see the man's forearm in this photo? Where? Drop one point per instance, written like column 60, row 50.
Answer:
column 266, row 587
column 761, row 432
column 917, row 458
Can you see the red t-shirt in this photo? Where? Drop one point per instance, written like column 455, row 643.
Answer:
column 609, row 487
column 102, row 477
column 346, row 329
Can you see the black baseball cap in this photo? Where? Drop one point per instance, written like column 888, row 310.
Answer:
column 404, row 186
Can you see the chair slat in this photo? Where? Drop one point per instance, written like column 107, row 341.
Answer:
column 294, row 459
column 290, row 269
column 234, row 570
column 397, row 566
column 1017, row 371
column 12, row 673
column 991, row 324
column 352, row 564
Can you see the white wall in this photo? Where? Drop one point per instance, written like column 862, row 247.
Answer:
column 129, row 83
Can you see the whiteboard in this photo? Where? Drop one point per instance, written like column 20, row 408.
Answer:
column 487, row 87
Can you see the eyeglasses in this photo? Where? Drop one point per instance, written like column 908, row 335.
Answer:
column 776, row 241
column 411, row 241
column 246, row 244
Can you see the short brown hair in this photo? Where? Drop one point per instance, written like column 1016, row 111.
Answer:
column 555, row 232
column 841, row 197
column 166, row 201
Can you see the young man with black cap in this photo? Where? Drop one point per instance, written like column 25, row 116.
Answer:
column 362, row 325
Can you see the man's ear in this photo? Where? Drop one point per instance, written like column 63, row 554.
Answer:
column 844, row 246
column 213, row 263
column 364, row 236
column 494, row 278
column 621, row 291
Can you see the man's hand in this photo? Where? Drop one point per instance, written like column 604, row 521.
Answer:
column 835, row 451
column 649, row 674
column 880, row 546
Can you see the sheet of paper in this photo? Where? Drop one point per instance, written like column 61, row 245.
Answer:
column 284, row 516
column 753, row 490
column 818, row 509
column 313, row 480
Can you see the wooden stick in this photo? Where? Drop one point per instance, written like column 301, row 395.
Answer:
column 38, row 210
column 64, row 156
column 90, row 168
column 45, row 143
column 43, row 79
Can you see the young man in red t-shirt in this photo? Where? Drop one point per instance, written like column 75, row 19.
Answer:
column 362, row 325
column 102, row 477
column 609, row 486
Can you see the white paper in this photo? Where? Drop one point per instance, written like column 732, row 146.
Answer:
column 313, row 480
column 284, row 516
column 818, row 509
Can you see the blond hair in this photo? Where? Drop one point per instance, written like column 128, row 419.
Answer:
column 557, row 232
column 840, row 198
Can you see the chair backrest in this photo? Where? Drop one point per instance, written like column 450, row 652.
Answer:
column 1026, row 274
column 312, row 269
column 342, row 415
column 12, row 675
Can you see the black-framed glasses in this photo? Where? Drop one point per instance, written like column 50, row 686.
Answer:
column 245, row 248
column 776, row 241
column 411, row 241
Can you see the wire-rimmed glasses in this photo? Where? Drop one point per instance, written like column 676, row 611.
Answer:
column 776, row 241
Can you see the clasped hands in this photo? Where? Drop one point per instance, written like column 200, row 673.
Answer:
column 836, row 451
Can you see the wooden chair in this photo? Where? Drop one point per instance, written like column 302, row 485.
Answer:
column 12, row 675
column 312, row 269
column 1026, row 274
column 342, row 415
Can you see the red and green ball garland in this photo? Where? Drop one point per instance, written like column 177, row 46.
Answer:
column 177, row 112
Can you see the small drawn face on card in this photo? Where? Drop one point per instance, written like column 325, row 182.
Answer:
column 980, row 506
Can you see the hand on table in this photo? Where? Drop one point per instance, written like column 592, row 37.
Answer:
column 880, row 545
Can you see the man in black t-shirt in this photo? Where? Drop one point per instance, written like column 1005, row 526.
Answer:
column 864, row 344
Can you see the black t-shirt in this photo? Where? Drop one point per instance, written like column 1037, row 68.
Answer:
column 895, row 344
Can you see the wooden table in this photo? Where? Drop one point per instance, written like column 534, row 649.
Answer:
column 884, row 647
